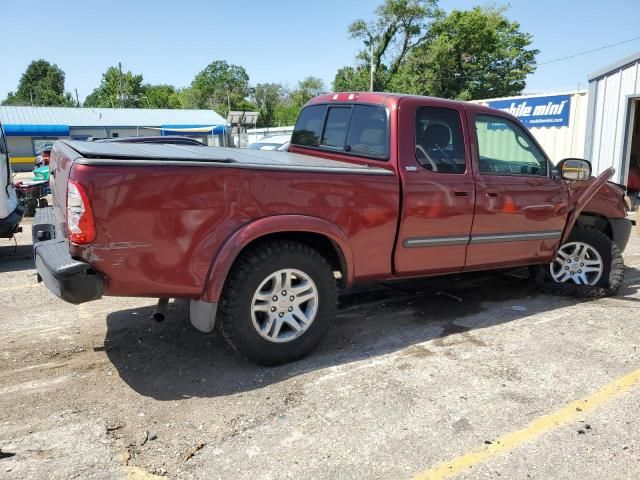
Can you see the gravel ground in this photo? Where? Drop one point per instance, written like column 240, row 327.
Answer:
column 414, row 374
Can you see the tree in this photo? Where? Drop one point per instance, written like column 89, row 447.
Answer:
column 469, row 55
column 109, row 93
column 220, row 86
column 267, row 98
column 41, row 84
column 352, row 79
column 293, row 100
column 307, row 89
column 400, row 26
column 161, row 96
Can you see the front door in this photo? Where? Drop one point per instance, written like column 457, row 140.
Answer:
column 438, row 189
column 520, row 210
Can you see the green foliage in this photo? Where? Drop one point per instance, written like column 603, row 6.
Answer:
column 280, row 106
column 352, row 79
column 400, row 26
column 417, row 49
column 469, row 55
column 267, row 97
column 42, row 84
column 220, row 86
column 161, row 96
column 108, row 93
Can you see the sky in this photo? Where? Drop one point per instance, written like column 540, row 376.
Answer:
column 275, row 41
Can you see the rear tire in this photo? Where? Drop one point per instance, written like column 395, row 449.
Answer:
column 278, row 302
column 585, row 247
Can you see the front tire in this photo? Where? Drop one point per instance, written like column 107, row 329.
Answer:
column 278, row 302
column 589, row 264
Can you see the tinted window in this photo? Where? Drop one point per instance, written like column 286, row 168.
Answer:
column 308, row 129
column 367, row 133
column 354, row 129
column 439, row 140
column 505, row 147
column 335, row 129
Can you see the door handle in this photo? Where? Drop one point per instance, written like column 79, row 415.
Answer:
column 460, row 192
column 491, row 193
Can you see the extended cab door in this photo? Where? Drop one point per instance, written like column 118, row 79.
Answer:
column 434, row 164
column 520, row 210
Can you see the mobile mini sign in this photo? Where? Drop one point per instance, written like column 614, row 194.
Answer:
column 536, row 112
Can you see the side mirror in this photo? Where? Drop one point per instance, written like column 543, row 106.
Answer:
column 573, row 169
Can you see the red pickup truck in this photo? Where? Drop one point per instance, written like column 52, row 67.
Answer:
column 374, row 187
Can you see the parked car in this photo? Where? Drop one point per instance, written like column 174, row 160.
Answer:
column 373, row 187
column 11, row 212
column 271, row 142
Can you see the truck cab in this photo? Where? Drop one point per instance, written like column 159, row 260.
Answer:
column 10, row 212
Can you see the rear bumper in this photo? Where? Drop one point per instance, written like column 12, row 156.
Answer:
column 71, row 280
column 621, row 231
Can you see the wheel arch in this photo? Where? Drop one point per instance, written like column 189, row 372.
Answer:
column 320, row 234
column 596, row 221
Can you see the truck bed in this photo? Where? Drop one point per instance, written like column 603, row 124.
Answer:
column 94, row 153
column 163, row 213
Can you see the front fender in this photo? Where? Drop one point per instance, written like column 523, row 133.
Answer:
column 584, row 199
column 221, row 264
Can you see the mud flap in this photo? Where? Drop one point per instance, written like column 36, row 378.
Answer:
column 203, row 315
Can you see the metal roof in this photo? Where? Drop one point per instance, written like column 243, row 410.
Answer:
column 107, row 117
column 634, row 58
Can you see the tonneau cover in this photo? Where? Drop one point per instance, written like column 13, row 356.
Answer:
column 192, row 153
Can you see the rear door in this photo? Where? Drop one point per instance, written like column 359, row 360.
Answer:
column 438, row 188
column 520, row 210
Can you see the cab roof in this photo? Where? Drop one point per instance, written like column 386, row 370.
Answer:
column 394, row 99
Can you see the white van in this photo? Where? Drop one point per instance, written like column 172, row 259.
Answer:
column 10, row 212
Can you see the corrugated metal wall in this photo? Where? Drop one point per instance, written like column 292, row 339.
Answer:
column 611, row 95
column 562, row 142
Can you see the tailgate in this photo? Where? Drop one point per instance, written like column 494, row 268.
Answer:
column 62, row 158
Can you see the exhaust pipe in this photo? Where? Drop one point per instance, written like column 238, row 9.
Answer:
column 160, row 312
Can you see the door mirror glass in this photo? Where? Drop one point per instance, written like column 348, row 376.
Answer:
column 574, row 169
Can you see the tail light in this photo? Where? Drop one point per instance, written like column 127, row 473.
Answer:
column 80, row 224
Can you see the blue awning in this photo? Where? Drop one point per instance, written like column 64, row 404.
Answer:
column 14, row 130
column 192, row 129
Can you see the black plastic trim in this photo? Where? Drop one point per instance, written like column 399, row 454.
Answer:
column 72, row 280
column 621, row 231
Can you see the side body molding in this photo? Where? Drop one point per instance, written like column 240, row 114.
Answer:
column 584, row 199
column 221, row 264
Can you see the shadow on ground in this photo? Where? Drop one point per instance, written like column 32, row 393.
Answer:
column 171, row 360
column 15, row 258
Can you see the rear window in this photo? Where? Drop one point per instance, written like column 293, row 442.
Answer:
column 353, row 129
column 308, row 129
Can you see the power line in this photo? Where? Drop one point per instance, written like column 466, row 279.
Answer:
column 589, row 51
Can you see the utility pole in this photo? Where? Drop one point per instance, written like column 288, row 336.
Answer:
column 31, row 96
column 121, row 94
column 77, row 100
column 372, row 66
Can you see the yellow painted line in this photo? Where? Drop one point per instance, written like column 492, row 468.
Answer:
column 19, row 287
column 540, row 426
column 22, row 159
